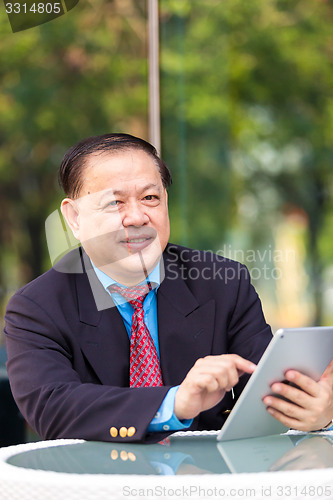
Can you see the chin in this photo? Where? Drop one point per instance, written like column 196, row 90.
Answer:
column 136, row 268
column 141, row 263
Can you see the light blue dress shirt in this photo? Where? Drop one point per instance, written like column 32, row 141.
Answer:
column 164, row 419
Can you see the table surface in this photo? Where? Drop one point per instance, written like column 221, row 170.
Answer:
column 192, row 454
column 301, row 465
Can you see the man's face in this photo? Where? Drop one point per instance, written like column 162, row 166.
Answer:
column 121, row 215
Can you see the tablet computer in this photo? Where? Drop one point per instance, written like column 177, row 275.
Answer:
column 256, row 454
column 308, row 350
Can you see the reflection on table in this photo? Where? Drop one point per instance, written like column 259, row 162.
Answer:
column 187, row 455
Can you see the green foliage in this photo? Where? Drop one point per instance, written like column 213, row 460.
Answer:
column 247, row 88
column 82, row 74
column 247, row 121
column 247, row 115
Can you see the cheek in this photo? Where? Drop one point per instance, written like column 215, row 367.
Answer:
column 100, row 224
column 164, row 227
column 88, row 227
column 166, row 220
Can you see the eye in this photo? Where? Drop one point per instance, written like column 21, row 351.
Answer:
column 151, row 197
column 112, row 204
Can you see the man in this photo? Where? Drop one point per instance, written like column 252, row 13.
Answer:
column 91, row 355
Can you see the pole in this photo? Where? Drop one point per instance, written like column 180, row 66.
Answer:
column 154, row 75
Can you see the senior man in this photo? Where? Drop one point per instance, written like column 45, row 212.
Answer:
column 146, row 337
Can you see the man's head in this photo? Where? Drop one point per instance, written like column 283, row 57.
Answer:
column 116, row 203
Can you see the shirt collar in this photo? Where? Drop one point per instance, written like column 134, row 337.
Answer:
column 107, row 281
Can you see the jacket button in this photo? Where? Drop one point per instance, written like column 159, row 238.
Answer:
column 123, row 432
column 131, row 431
column 114, row 432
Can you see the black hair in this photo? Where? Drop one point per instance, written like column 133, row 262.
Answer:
column 73, row 163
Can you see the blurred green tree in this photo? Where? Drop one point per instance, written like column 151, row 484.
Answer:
column 82, row 74
column 247, row 113
column 247, row 117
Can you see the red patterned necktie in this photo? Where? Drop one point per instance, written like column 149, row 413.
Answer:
column 145, row 370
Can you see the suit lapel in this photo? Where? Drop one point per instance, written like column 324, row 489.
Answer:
column 185, row 327
column 103, row 337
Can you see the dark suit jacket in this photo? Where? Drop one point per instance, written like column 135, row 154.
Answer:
column 68, row 349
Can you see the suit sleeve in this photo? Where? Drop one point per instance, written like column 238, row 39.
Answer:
column 50, row 393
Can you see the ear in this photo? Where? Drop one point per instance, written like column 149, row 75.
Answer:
column 69, row 210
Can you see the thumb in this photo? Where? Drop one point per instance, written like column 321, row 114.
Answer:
column 328, row 373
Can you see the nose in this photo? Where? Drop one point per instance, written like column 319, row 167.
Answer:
column 134, row 215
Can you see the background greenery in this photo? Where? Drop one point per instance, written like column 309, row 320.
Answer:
column 247, row 129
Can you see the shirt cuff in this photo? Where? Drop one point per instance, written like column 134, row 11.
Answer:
column 165, row 419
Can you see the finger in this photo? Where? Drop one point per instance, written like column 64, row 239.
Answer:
column 298, row 464
column 328, row 373
column 230, row 363
column 296, row 396
column 304, row 382
column 243, row 365
column 289, row 410
column 208, row 382
column 290, row 415
column 288, row 457
column 224, row 372
column 228, row 378
column 292, row 423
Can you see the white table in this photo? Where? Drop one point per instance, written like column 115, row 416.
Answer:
column 24, row 483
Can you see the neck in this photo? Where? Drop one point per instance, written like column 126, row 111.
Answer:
column 126, row 279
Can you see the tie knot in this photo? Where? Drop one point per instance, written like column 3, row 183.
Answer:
column 132, row 293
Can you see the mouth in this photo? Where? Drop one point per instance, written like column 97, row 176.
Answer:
column 136, row 244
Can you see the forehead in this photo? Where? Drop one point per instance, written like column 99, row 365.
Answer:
column 111, row 169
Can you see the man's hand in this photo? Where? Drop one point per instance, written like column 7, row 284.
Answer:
column 310, row 407
column 313, row 452
column 207, row 382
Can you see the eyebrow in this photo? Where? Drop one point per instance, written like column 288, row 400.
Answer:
column 145, row 188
